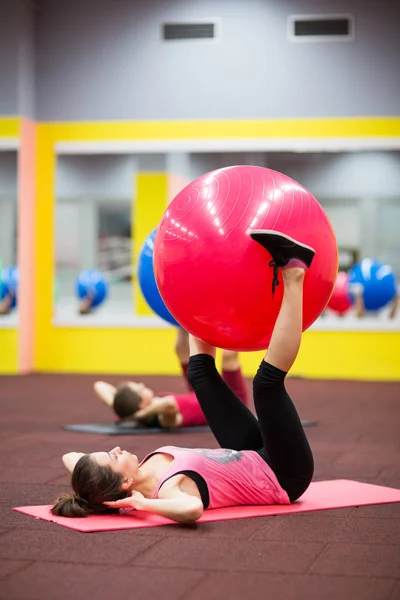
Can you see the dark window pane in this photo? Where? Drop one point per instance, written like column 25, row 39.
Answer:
column 322, row 27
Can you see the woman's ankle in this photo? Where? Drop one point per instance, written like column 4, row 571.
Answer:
column 197, row 346
column 293, row 274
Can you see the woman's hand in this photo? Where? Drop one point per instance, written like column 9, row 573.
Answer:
column 181, row 507
column 165, row 408
column 135, row 501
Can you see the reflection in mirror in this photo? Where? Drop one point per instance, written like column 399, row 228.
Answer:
column 93, row 239
column 8, row 239
column 359, row 192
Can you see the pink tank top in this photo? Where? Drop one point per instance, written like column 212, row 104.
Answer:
column 189, row 407
column 232, row 477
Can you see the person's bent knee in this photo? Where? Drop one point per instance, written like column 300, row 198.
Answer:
column 297, row 487
column 267, row 376
column 201, row 367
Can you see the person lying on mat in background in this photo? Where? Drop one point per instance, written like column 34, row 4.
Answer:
column 358, row 292
column 260, row 461
column 132, row 401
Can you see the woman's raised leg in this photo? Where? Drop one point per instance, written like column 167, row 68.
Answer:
column 232, row 423
column 286, row 447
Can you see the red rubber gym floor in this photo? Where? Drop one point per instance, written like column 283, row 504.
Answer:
column 340, row 554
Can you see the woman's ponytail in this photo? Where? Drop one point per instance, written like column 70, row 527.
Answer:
column 70, row 505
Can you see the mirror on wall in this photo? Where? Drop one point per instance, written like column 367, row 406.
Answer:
column 94, row 228
column 93, row 239
column 359, row 191
column 8, row 239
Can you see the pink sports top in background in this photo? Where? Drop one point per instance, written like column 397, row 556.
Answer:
column 232, row 477
column 189, row 406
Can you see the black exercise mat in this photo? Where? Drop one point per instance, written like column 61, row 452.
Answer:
column 132, row 428
column 129, row 429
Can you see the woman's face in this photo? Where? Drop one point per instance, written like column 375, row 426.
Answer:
column 121, row 461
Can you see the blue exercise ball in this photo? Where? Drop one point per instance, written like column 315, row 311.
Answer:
column 9, row 284
column 377, row 280
column 147, row 281
column 92, row 283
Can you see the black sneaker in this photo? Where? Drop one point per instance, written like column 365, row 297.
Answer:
column 282, row 248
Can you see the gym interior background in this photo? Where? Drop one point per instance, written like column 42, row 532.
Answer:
column 108, row 108
column 105, row 117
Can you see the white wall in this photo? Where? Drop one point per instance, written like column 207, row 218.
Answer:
column 104, row 177
column 27, row 59
column 387, row 242
column 17, row 57
column 204, row 162
column 8, row 208
column 346, row 221
column 343, row 175
column 326, row 175
column 8, row 57
column 103, row 59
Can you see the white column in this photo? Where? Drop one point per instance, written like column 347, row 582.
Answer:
column 7, row 233
column 88, row 234
column 179, row 163
column 151, row 163
column 257, row 159
column 369, row 214
column 179, row 167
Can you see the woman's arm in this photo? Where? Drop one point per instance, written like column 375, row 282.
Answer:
column 357, row 290
column 85, row 305
column 181, row 508
column 394, row 307
column 165, row 408
column 106, row 392
column 6, row 303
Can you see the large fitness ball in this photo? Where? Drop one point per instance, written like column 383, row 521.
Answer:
column 214, row 279
column 147, row 282
column 9, row 284
column 341, row 301
column 92, row 283
column 377, row 280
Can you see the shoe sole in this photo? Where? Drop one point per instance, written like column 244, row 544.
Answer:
column 283, row 235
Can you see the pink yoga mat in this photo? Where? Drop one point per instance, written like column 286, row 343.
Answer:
column 322, row 495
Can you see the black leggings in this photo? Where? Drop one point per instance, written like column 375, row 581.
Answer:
column 277, row 436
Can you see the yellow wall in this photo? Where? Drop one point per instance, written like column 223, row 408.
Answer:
column 358, row 355
column 183, row 130
column 108, row 351
column 149, row 206
column 324, row 355
column 8, row 351
column 349, row 355
column 9, row 128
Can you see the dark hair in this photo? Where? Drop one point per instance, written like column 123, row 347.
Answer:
column 92, row 484
column 126, row 401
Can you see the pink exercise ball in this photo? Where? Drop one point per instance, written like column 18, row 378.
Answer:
column 340, row 301
column 214, row 279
